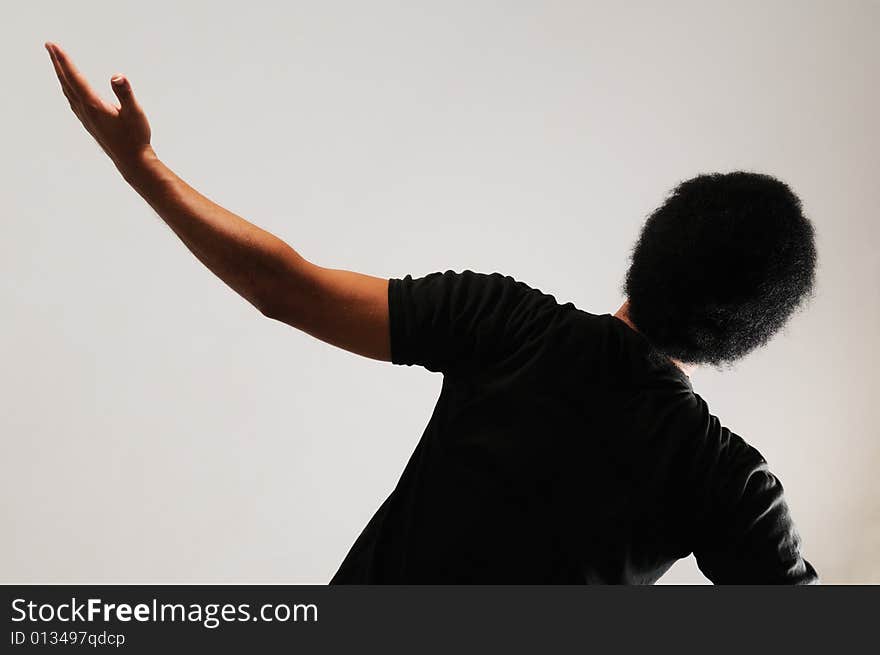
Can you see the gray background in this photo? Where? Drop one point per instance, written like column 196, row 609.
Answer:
column 156, row 428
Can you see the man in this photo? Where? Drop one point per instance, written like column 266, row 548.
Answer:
column 565, row 446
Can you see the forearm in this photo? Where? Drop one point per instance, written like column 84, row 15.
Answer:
column 256, row 264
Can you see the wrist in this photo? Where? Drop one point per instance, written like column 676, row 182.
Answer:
column 135, row 166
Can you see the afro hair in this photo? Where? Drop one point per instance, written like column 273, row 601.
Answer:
column 720, row 266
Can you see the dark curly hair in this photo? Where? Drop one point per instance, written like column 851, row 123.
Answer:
column 720, row 267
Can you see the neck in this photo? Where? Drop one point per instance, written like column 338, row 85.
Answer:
column 623, row 315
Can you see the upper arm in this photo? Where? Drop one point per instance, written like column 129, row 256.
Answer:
column 748, row 535
column 343, row 308
column 442, row 321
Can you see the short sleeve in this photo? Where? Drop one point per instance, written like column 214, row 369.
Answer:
column 454, row 322
column 749, row 536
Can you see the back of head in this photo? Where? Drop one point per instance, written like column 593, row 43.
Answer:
column 720, row 267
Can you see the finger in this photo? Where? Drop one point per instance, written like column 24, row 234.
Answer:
column 65, row 87
column 75, row 106
column 76, row 102
column 76, row 81
column 59, row 71
column 122, row 89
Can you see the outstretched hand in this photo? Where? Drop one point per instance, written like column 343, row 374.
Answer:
column 122, row 131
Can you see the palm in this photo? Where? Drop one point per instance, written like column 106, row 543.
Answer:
column 122, row 131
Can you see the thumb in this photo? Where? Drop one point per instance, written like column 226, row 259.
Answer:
column 122, row 89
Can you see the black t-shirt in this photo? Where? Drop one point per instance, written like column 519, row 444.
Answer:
column 563, row 449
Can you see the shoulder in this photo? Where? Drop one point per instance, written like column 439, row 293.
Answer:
column 469, row 292
column 720, row 456
column 466, row 278
column 722, row 444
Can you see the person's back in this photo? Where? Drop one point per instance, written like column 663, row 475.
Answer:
column 563, row 449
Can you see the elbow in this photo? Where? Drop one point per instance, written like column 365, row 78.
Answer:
column 279, row 301
column 268, row 310
column 266, row 301
column 277, row 312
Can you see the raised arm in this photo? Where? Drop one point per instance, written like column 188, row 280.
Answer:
column 343, row 308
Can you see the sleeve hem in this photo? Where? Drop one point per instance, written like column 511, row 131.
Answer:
column 395, row 326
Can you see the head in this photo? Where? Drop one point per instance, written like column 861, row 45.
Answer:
column 720, row 267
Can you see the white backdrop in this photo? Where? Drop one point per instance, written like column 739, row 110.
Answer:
column 156, row 428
